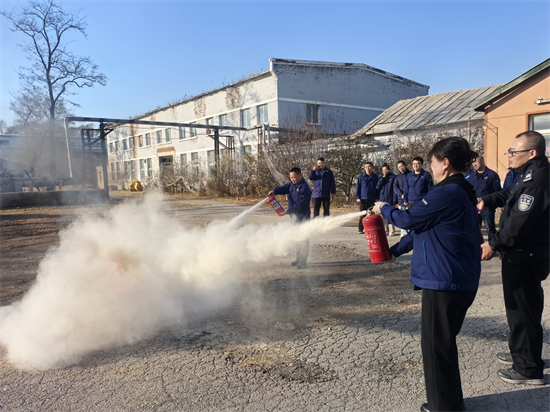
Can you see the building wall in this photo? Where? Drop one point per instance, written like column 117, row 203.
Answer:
column 509, row 116
column 356, row 92
column 345, row 92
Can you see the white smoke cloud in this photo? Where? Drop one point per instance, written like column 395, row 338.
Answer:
column 121, row 278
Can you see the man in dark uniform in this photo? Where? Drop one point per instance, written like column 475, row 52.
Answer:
column 485, row 181
column 299, row 199
column 366, row 192
column 524, row 241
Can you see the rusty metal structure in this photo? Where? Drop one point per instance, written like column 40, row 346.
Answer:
column 106, row 126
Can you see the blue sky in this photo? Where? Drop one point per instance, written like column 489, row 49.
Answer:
column 156, row 52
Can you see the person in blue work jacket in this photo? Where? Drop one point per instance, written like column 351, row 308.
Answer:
column 444, row 237
column 512, row 177
column 299, row 199
column 366, row 192
column 324, row 187
column 385, row 189
column 401, row 188
column 418, row 182
column 485, row 181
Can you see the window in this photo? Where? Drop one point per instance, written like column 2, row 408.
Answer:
column 116, row 146
column 312, row 113
column 125, row 144
column 223, row 120
column 183, row 159
column 4, row 142
column 117, row 171
column 126, row 170
column 131, row 143
column 541, row 123
column 113, row 176
column 245, row 118
column 142, row 164
column 159, row 136
column 111, row 147
column 262, row 114
column 182, row 132
column 147, row 139
column 150, row 167
column 192, row 131
column 168, row 135
column 140, row 141
column 210, row 121
column 194, row 156
column 247, row 150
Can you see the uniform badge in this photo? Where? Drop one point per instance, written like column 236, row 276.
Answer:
column 525, row 202
column 528, row 176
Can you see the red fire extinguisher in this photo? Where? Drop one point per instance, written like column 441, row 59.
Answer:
column 376, row 239
column 276, row 206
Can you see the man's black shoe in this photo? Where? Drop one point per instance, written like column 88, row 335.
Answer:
column 294, row 263
column 505, row 358
column 360, row 231
column 511, row 376
column 301, row 265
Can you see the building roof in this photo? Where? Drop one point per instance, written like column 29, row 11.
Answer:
column 360, row 66
column 428, row 111
column 481, row 103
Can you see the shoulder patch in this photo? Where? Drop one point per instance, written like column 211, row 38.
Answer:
column 525, row 202
column 528, row 176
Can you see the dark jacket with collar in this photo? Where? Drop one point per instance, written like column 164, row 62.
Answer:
column 512, row 177
column 401, row 187
column 524, row 228
column 418, row 186
column 484, row 183
column 323, row 183
column 299, row 199
column 445, row 237
column 366, row 187
column 385, row 189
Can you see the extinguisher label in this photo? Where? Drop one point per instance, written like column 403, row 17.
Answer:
column 372, row 239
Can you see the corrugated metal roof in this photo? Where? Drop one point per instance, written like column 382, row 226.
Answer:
column 432, row 110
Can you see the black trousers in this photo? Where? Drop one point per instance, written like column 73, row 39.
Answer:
column 364, row 205
column 524, row 302
column 317, row 206
column 442, row 316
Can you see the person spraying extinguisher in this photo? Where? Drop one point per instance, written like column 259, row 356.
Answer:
column 444, row 237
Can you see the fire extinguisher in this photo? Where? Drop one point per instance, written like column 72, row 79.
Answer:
column 376, row 238
column 276, row 206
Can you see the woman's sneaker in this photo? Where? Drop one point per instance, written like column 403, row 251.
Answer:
column 511, row 376
column 505, row 358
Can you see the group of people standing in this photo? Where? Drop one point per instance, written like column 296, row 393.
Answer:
column 441, row 224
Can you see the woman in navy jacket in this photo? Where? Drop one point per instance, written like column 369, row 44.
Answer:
column 446, row 264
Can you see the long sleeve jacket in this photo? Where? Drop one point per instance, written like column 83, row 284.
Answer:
column 385, row 188
column 524, row 224
column 445, row 237
column 484, row 183
column 401, row 188
column 418, row 185
column 323, row 183
column 299, row 199
column 512, row 177
column 366, row 187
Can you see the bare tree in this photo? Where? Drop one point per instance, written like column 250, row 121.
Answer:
column 54, row 71
column 346, row 160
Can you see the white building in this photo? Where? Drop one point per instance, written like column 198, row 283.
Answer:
column 290, row 91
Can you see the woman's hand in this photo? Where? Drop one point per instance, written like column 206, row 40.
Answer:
column 377, row 206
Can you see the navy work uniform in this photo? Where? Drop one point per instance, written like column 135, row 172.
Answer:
column 299, row 199
column 418, row 186
column 447, row 272
column 484, row 184
column 366, row 192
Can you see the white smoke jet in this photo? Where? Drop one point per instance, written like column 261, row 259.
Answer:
column 121, row 278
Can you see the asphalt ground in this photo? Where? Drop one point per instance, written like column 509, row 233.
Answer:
column 341, row 335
